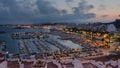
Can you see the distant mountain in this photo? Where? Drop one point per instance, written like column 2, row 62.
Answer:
column 117, row 23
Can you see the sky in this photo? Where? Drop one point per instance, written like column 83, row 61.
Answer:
column 43, row 11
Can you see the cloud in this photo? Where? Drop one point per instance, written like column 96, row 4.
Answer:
column 17, row 10
column 69, row 0
column 45, row 8
column 102, row 7
column 40, row 11
column 63, row 12
column 104, row 16
column 83, row 7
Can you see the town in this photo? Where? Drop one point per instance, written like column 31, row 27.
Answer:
column 60, row 46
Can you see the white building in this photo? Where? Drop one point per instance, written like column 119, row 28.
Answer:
column 111, row 28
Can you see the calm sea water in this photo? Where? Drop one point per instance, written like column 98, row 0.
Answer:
column 13, row 45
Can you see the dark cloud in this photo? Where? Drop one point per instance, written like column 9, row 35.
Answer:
column 40, row 11
column 17, row 11
column 45, row 7
column 63, row 12
column 66, row 17
column 104, row 16
column 83, row 7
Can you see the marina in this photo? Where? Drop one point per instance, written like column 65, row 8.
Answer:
column 33, row 46
column 59, row 34
column 64, row 45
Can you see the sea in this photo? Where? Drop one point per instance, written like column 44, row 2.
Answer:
column 12, row 46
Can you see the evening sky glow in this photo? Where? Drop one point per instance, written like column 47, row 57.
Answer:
column 40, row 11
